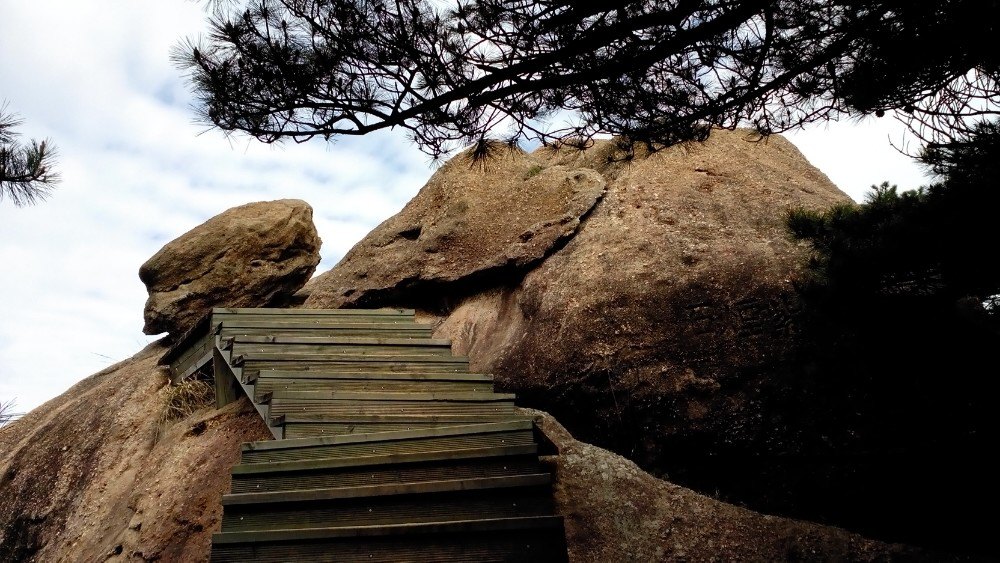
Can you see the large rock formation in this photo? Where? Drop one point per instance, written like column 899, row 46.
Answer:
column 614, row 511
column 100, row 474
column 248, row 256
column 650, row 324
column 467, row 225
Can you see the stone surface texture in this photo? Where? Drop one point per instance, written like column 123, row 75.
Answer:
column 652, row 318
column 248, row 256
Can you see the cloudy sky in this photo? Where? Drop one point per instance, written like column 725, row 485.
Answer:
column 137, row 172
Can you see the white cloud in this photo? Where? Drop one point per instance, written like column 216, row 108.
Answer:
column 857, row 155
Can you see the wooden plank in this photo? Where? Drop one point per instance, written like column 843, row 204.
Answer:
column 264, row 385
column 348, row 409
column 256, row 361
column 196, row 347
column 345, row 340
column 227, row 387
column 520, row 546
column 475, row 468
column 192, row 359
column 306, row 429
column 493, row 525
column 496, row 427
column 468, row 420
column 380, row 460
column 393, row 489
column 414, row 376
column 345, row 450
column 442, row 506
column 307, row 357
column 365, row 396
column 337, row 350
column 300, row 312
column 184, row 341
column 281, row 324
column 331, row 332
column 355, row 366
column 191, row 367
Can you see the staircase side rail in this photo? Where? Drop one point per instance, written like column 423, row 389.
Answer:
column 229, row 387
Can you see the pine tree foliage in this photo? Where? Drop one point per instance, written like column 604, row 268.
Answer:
column 934, row 242
column 656, row 72
column 899, row 370
column 26, row 171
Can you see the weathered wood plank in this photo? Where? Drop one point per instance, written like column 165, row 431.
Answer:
column 342, row 450
column 440, row 470
column 346, row 340
column 375, row 325
column 511, row 545
column 440, row 506
column 478, row 429
column 410, row 376
column 266, row 385
column 362, row 397
column 391, row 489
column 227, row 387
column 307, row 312
column 494, row 525
column 336, row 350
column 381, row 460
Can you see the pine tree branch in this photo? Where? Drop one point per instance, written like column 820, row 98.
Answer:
column 27, row 173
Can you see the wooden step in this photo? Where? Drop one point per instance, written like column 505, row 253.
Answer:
column 402, row 332
column 314, row 320
column 336, row 346
column 347, row 404
column 362, row 397
column 304, row 313
column 537, row 538
column 322, row 373
column 463, row 526
column 360, row 424
column 341, row 340
column 236, row 325
column 247, row 470
column 324, row 495
column 253, row 373
column 500, row 497
column 407, row 471
column 396, row 364
column 263, row 385
column 499, row 434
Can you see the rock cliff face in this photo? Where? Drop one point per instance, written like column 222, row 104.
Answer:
column 99, row 474
column 648, row 322
column 467, row 226
column 248, row 256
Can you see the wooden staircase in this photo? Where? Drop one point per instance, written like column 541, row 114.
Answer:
column 386, row 448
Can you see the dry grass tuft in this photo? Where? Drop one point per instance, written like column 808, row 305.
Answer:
column 185, row 398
